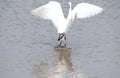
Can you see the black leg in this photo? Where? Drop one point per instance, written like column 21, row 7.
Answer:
column 59, row 37
column 65, row 37
column 65, row 45
column 65, row 40
column 60, row 42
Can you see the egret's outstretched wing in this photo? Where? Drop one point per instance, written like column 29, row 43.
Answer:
column 51, row 11
column 84, row 10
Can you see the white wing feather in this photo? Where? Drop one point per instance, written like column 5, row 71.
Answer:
column 51, row 11
column 85, row 10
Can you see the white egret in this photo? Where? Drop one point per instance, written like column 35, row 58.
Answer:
column 53, row 11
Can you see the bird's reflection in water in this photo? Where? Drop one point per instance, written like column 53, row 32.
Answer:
column 64, row 66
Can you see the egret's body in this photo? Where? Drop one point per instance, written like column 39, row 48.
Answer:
column 53, row 11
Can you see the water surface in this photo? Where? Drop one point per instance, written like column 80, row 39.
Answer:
column 28, row 45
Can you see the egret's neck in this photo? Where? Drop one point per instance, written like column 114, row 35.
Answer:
column 70, row 9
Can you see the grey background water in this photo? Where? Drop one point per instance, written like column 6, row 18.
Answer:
column 27, row 44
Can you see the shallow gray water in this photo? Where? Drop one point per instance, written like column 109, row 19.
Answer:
column 28, row 45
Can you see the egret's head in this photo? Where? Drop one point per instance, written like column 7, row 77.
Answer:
column 70, row 3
